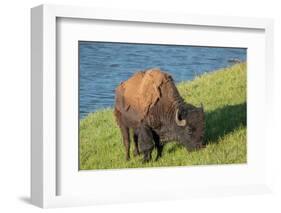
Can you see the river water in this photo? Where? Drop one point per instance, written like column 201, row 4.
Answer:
column 103, row 65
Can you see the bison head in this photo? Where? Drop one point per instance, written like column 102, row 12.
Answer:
column 190, row 124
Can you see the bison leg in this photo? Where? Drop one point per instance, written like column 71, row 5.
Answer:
column 136, row 136
column 159, row 150
column 145, row 142
column 124, row 131
column 158, row 145
column 126, row 140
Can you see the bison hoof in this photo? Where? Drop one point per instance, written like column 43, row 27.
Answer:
column 157, row 157
column 145, row 161
column 136, row 153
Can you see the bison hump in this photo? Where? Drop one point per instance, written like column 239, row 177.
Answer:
column 142, row 90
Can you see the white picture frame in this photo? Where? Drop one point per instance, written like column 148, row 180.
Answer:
column 45, row 168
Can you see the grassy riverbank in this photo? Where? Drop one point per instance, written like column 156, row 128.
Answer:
column 223, row 93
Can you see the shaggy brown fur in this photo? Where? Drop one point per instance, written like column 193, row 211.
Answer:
column 150, row 104
column 142, row 91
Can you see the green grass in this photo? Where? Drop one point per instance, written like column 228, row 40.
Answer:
column 223, row 93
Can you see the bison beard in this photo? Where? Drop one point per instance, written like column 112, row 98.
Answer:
column 149, row 103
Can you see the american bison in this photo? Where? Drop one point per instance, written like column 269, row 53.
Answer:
column 150, row 104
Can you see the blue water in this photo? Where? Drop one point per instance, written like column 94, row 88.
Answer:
column 104, row 65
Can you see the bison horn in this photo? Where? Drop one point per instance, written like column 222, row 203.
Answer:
column 178, row 121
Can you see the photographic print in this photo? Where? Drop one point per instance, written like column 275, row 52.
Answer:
column 155, row 105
